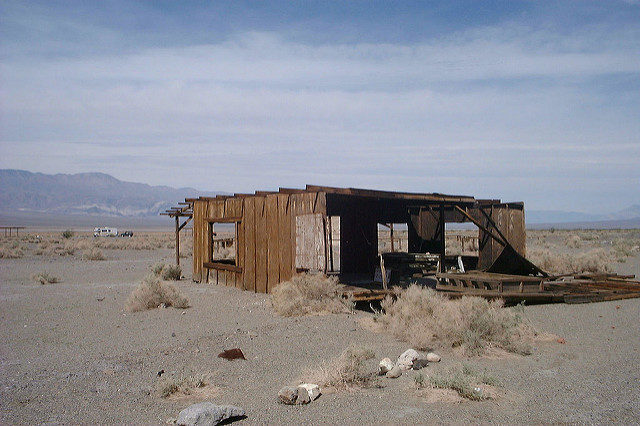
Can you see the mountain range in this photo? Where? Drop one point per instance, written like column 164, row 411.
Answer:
column 39, row 198
column 86, row 194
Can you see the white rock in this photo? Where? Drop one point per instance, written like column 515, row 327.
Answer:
column 385, row 365
column 394, row 372
column 303, row 396
column 433, row 357
column 405, row 361
column 313, row 390
column 288, row 395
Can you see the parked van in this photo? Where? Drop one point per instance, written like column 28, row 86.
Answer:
column 105, row 232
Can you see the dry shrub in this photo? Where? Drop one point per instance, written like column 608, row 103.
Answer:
column 67, row 233
column 45, row 278
column 574, row 241
column 595, row 260
column 349, row 370
column 625, row 248
column 427, row 319
column 167, row 272
column 185, row 385
column 93, row 254
column 11, row 251
column 153, row 293
column 307, row 294
column 467, row 382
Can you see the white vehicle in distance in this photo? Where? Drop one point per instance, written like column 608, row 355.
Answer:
column 105, row 232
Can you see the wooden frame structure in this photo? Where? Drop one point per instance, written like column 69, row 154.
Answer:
column 279, row 233
column 184, row 209
column 8, row 230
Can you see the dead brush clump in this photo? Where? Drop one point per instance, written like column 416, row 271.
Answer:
column 170, row 386
column 574, row 241
column 93, row 254
column 45, row 278
column 594, row 260
column 622, row 249
column 350, row 370
column 11, row 251
column 467, row 382
column 426, row 319
column 307, row 294
column 167, row 272
column 153, row 293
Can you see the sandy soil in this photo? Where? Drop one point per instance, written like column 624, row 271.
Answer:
column 71, row 354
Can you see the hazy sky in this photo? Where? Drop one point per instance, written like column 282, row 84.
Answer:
column 536, row 101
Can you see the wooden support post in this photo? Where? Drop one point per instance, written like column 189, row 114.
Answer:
column 330, row 232
column 177, row 241
column 383, row 272
column 442, row 237
column 391, row 235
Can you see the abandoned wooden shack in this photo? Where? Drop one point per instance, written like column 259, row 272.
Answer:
column 335, row 231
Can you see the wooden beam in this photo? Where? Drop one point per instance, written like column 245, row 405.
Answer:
column 494, row 225
column 441, row 226
column 479, row 225
column 290, row 190
column 223, row 219
column 222, row 266
column 391, row 236
column 177, row 241
column 185, row 223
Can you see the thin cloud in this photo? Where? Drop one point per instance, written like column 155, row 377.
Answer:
column 495, row 111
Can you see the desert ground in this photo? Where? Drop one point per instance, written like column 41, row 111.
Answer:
column 72, row 353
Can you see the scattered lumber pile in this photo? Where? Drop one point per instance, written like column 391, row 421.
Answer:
column 578, row 288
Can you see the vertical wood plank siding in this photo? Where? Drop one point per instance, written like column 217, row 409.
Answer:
column 266, row 237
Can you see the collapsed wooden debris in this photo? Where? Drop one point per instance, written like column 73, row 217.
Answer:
column 578, row 288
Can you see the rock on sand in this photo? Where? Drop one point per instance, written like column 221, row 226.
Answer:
column 207, row 413
column 385, row 365
column 405, row 361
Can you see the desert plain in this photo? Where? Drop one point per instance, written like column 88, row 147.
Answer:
column 72, row 353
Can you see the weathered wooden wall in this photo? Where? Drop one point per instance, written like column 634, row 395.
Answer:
column 424, row 231
column 510, row 220
column 266, row 237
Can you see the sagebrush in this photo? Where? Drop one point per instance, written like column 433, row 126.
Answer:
column 167, row 272
column 45, row 278
column 349, row 370
column 185, row 385
column 594, row 260
column 466, row 381
column 307, row 294
column 427, row 319
column 153, row 293
column 93, row 254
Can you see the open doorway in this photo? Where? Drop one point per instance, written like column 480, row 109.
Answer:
column 461, row 247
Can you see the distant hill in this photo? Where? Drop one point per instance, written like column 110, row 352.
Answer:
column 629, row 216
column 94, row 194
column 96, row 198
